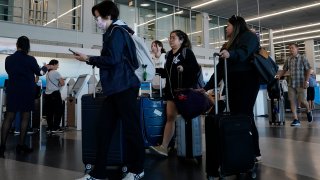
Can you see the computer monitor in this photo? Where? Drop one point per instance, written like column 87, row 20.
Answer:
column 78, row 83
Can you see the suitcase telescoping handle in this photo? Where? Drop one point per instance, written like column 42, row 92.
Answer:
column 94, row 81
column 160, row 84
column 216, row 56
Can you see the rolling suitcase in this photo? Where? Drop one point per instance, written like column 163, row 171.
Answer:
column 90, row 107
column 189, row 138
column 276, row 111
column 152, row 117
column 90, row 114
column 229, row 141
column 188, row 134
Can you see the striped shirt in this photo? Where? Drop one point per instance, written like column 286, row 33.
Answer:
column 297, row 65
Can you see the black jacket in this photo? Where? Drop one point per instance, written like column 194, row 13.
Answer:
column 189, row 76
column 116, row 74
column 241, row 52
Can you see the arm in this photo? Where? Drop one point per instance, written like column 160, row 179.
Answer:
column 284, row 70
column 112, row 51
column 36, row 69
column 61, row 82
column 248, row 44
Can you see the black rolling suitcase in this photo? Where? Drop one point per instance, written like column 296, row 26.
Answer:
column 90, row 107
column 90, row 114
column 276, row 111
column 229, row 142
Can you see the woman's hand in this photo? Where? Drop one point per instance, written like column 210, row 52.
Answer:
column 224, row 54
column 81, row 57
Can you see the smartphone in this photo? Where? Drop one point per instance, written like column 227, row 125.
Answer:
column 74, row 53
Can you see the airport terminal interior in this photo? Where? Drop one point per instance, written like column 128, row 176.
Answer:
column 287, row 152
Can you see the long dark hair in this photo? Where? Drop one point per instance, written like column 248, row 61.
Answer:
column 182, row 37
column 24, row 44
column 239, row 26
column 159, row 43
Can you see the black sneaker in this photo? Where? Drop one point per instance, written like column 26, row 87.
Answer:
column 295, row 122
column 309, row 116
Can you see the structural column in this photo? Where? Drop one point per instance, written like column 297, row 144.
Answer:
column 309, row 49
column 271, row 46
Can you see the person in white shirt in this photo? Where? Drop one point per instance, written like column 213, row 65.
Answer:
column 53, row 98
column 158, row 54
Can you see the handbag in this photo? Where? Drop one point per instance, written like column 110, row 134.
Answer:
column 265, row 66
column 191, row 103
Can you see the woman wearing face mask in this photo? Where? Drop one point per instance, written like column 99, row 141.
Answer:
column 158, row 56
column 121, row 86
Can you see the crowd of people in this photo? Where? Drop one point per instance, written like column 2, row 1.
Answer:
column 121, row 85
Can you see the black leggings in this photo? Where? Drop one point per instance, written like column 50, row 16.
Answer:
column 54, row 110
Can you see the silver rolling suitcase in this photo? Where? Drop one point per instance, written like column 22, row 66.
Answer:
column 189, row 138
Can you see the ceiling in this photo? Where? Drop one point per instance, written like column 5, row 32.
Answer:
column 249, row 9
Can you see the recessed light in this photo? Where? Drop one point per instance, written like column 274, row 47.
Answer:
column 150, row 15
column 145, row 4
column 165, row 9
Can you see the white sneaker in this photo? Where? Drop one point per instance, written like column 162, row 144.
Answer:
column 132, row 176
column 87, row 177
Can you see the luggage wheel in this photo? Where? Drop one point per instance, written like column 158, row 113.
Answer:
column 253, row 175
column 210, row 178
column 124, row 169
column 88, row 168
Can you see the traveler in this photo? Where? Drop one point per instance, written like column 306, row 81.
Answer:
column 299, row 68
column 310, row 90
column 53, row 98
column 243, row 81
column 21, row 69
column 121, row 87
column 158, row 54
column 189, row 68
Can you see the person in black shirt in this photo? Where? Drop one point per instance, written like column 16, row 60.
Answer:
column 176, row 63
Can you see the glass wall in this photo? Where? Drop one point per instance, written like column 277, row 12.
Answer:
column 54, row 13
column 146, row 24
column 196, row 34
column 164, row 23
column 217, row 29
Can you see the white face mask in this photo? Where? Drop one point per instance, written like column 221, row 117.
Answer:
column 101, row 23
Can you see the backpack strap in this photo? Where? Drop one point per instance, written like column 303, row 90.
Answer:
column 127, row 35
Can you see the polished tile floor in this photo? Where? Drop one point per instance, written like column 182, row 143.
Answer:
column 291, row 153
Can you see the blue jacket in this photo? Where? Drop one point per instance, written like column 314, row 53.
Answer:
column 116, row 74
column 21, row 87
